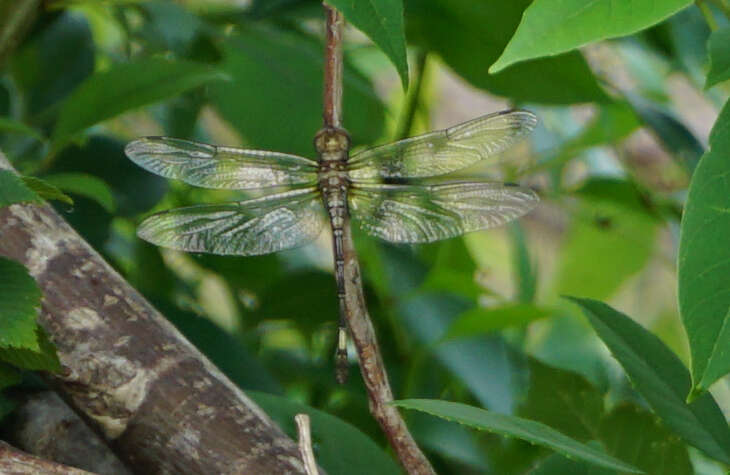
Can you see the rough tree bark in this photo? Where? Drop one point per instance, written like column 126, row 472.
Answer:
column 162, row 406
column 16, row 462
column 46, row 427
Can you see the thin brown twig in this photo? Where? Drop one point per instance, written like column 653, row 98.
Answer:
column 332, row 113
column 355, row 309
column 305, row 444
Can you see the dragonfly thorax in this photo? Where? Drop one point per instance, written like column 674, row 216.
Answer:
column 332, row 141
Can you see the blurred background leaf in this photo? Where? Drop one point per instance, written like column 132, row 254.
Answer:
column 477, row 320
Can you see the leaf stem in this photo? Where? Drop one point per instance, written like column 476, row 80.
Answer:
column 707, row 14
column 723, row 5
column 413, row 97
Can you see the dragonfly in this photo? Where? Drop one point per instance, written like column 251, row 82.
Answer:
column 396, row 192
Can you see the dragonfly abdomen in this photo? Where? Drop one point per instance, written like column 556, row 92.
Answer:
column 333, row 184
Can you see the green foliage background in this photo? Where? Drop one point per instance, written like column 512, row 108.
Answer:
column 635, row 216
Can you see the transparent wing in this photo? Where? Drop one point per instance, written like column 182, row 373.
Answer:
column 212, row 166
column 426, row 213
column 246, row 228
column 444, row 151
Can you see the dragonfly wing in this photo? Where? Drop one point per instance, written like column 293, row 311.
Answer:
column 444, row 151
column 245, row 228
column 212, row 166
column 426, row 213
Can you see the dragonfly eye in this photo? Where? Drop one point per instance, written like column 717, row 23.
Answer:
column 331, row 140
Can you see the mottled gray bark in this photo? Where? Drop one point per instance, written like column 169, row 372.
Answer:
column 46, row 427
column 163, row 407
column 16, row 462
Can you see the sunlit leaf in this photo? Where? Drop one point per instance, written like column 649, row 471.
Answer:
column 46, row 190
column 531, row 431
column 551, row 27
column 20, row 300
column 704, row 261
column 44, row 358
column 719, row 57
column 469, row 36
column 86, row 185
column 14, row 190
column 661, row 378
column 382, row 21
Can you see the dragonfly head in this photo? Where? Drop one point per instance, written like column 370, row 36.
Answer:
column 330, row 140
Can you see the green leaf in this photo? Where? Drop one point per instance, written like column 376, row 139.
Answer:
column 20, row 299
column 451, row 269
column 42, row 359
column 45, row 190
column 9, row 376
column 611, row 231
column 704, row 260
column 524, row 269
column 382, row 21
column 86, row 185
column 7, row 405
column 427, row 317
column 719, row 57
column 661, row 378
column 275, row 70
column 615, row 121
column 135, row 190
column 637, row 436
column 551, row 27
column 14, row 190
column 54, row 61
column 469, row 36
column 480, row 320
column 312, row 305
column 563, row 400
column 124, row 87
column 675, row 137
column 9, row 125
column 530, row 431
column 338, row 446
column 633, row 435
column 556, row 464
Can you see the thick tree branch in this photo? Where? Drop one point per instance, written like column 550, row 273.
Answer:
column 162, row 405
column 16, row 462
column 47, row 428
column 356, row 313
